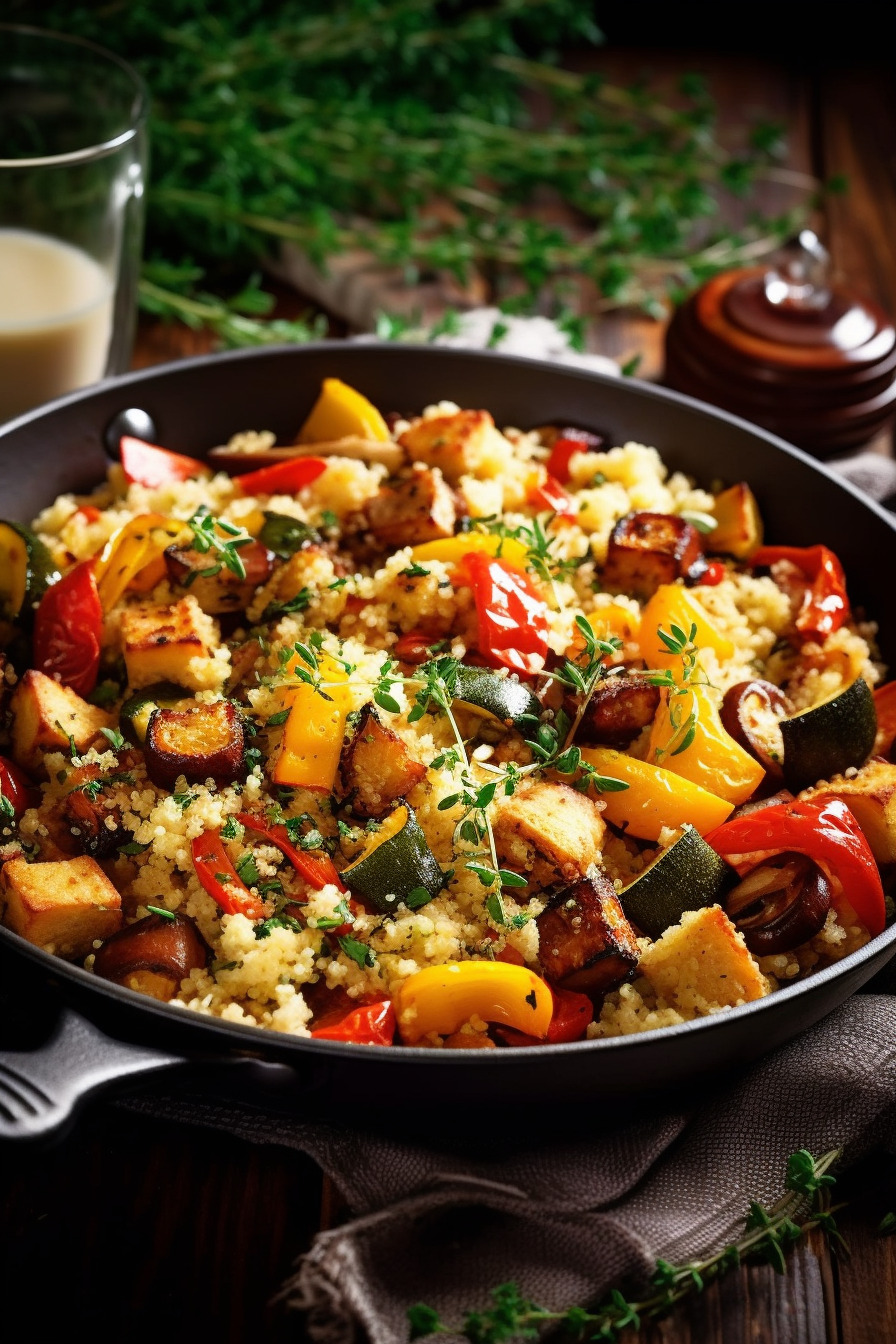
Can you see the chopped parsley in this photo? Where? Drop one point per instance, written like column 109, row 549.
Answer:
column 359, row 952
column 159, row 910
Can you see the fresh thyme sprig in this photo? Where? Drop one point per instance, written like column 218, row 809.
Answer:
column 207, row 537
column 684, row 729
column 768, row 1234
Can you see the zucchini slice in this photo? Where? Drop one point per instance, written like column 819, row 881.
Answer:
column 285, row 535
column 135, row 713
column 501, row 699
column 687, row 876
column 26, row 571
column 396, row 865
column 829, row 738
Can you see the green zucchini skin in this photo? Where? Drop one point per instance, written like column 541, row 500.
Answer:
column 829, row 738
column 285, row 535
column 403, row 867
column 40, row 571
column 687, row 876
column 134, row 715
column 503, row 699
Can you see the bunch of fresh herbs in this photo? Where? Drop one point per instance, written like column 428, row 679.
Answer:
column 423, row 132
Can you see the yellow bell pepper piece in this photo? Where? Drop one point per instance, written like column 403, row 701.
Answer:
column 713, row 759
column 655, row 797
column 452, row 550
column 313, row 733
column 673, row 605
column 442, row 998
column 340, row 411
column 128, row 551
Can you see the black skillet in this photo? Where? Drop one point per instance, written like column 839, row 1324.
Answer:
column 108, row 1034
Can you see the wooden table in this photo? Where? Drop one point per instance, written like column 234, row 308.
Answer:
column 143, row 1230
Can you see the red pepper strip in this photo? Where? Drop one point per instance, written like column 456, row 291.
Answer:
column 374, row 1024
column 68, row 630
column 89, row 512
column 551, row 495
column 558, row 462
column 283, row 478
column 714, row 573
column 828, row 834
column 885, row 704
column 511, row 617
column 17, row 790
column 146, row 464
column 317, row 870
column 221, row 880
column 572, row 1015
column 825, row 604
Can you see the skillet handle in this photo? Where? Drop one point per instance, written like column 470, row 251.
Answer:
column 40, row 1089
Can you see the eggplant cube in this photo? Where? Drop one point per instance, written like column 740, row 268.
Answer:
column 647, row 550
column 376, row 767
column 550, row 831
column 45, row 715
column 63, row 906
column 703, row 964
column 585, row 941
column 169, row 644
column 419, row 507
column 206, row 742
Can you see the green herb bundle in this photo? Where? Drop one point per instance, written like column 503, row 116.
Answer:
column 423, row 131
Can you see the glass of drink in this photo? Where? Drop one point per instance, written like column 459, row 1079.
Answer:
column 72, row 169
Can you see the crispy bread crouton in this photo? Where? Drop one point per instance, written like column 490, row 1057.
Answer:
column 458, row 444
column 45, row 714
column 168, row 644
column 550, row 831
column 702, row 964
column 63, row 906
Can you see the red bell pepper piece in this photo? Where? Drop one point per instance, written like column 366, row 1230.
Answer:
column 549, row 494
column 511, row 617
column 828, row 834
column 221, row 880
column 374, row 1024
column 283, row 478
column 558, row 462
column 713, row 574
column 885, row 705
column 89, row 512
column 146, row 464
column 16, row 790
column 825, row 605
column 573, row 1013
column 317, row 869
column 68, row 630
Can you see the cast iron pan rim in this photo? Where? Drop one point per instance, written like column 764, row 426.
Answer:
column 246, row 1037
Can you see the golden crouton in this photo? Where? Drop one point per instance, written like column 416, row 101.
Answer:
column 45, row 715
column 62, row 907
column 871, row 798
column 702, row 964
column 161, row 643
column 550, row 831
column 417, row 508
column 466, row 441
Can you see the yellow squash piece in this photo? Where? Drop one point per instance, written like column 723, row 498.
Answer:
column 713, row 759
column 138, row 544
column 451, row 550
column 340, row 411
column 313, row 734
column 654, row 797
column 441, row 999
column 671, row 605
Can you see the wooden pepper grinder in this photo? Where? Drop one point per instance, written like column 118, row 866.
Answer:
column 784, row 348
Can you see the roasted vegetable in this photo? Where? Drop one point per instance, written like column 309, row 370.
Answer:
column 135, row 550
column 502, row 699
column 511, row 618
column 829, row 738
column 17, row 793
column 585, row 941
column 564, row 441
column 617, row 710
column 376, row 766
column 146, row 464
column 738, row 529
column 397, row 865
column 372, row 1024
column 780, row 903
column 26, row 571
column 95, row 828
column 339, row 411
column 415, row 508
column 548, row 830
column 871, row 798
column 439, row 999
column 451, row 550
column 205, row 742
column 216, row 588
column 49, row 717
column 154, row 955
column 750, row 713
column 285, row 535
column 68, row 630
column 885, row 708
column 283, row 478
column 218, row 877
column 653, row 798
column 62, row 906
column 135, row 713
column 689, row 739
column 687, row 876
column 824, row 605
column 673, row 605
column 647, row 550
column 309, row 752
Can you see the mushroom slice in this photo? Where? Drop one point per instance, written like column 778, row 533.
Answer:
column 750, row 713
column 780, row 904
column 238, row 460
column 154, row 955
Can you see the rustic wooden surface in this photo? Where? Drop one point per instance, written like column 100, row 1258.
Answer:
column 141, row 1230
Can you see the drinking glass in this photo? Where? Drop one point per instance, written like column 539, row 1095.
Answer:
column 73, row 149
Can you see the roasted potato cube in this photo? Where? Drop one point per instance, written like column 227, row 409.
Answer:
column 154, row 955
column 647, row 550
column 871, row 798
column 376, row 766
column 46, row 714
column 703, row 964
column 738, row 529
column 62, row 907
column 419, row 507
column 206, row 742
column 456, row 444
column 550, row 831
column 585, row 941
column 168, row 644
column 616, row 712
column 224, row 591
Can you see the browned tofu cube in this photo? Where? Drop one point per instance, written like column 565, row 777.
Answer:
column 585, row 941
column 46, row 714
column 647, row 550
column 62, row 907
column 456, row 444
column 549, row 831
column 376, row 767
column 164, row 644
column 417, row 508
